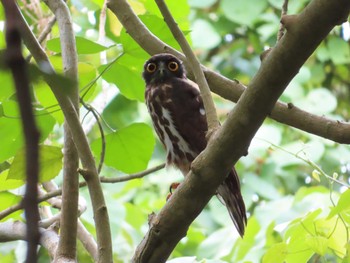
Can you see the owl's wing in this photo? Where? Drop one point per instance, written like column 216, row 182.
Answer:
column 188, row 113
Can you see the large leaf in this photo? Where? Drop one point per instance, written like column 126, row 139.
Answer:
column 243, row 12
column 209, row 40
column 128, row 149
column 84, row 46
column 339, row 50
column 11, row 129
column 277, row 253
column 120, row 112
column 125, row 73
column 50, row 163
column 319, row 101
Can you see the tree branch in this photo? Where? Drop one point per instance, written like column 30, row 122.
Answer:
column 67, row 246
column 304, row 34
column 11, row 231
column 210, row 110
column 103, row 179
column 17, row 65
column 103, row 232
column 232, row 90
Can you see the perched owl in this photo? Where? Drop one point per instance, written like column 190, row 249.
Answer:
column 178, row 116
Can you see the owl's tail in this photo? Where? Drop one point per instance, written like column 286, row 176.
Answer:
column 229, row 192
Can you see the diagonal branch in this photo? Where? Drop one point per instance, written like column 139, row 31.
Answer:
column 17, row 64
column 232, row 90
column 304, row 33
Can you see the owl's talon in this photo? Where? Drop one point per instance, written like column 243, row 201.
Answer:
column 172, row 188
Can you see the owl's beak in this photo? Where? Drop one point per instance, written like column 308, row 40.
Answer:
column 161, row 69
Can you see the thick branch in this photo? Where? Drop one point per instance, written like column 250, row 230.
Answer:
column 70, row 190
column 228, row 89
column 233, row 138
column 17, row 65
column 195, row 66
column 103, row 233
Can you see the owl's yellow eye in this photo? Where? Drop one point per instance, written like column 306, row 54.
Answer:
column 151, row 67
column 173, row 66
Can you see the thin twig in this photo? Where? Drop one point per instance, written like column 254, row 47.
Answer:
column 103, row 140
column 46, row 31
column 309, row 162
column 212, row 119
column 103, row 179
column 131, row 176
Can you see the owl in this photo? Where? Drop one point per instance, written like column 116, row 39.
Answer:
column 176, row 108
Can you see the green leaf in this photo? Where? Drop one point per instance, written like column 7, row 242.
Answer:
column 339, row 50
column 8, row 184
column 319, row 101
column 10, row 131
column 84, row 46
column 243, row 12
column 342, row 205
column 7, row 88
column 276, row 254
column 134, row 216
column 218, row 244
column 201, row 3
column 50, row 163
column 126, row 73
column 180, row 11
column 209, row 40
column 261, row 187
column 121, row 112
column 318, row 244
column 128, row 149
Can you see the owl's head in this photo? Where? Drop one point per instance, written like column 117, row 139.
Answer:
column 161, row 68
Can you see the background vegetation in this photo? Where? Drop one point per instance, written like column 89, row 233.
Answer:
column 295, row 184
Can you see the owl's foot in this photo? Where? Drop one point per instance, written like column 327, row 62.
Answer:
column 172, row 188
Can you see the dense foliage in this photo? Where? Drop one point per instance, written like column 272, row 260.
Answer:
column 295, row 184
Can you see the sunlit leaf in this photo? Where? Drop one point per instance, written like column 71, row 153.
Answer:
column 84, row 45
column 318, row 244
column 126, row 75
column 243, row 12
column 342, row 205
column 276, row 254
column 8, row 184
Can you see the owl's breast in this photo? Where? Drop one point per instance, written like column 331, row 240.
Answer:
column 163, row 111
